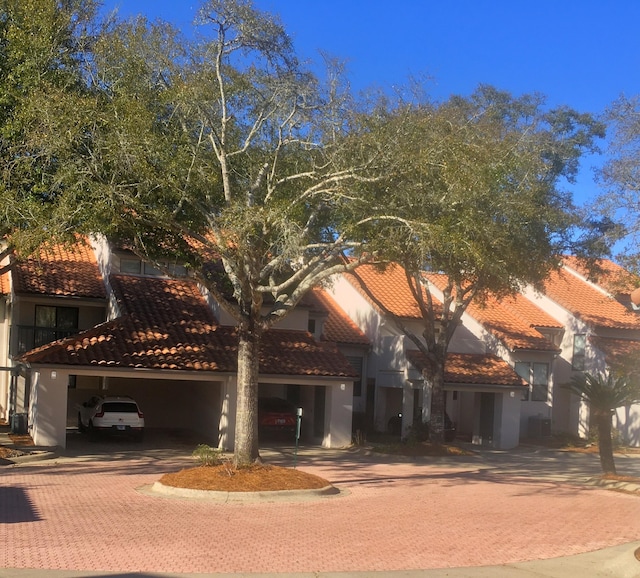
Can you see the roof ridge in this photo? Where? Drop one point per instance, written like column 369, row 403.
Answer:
column 588, row 281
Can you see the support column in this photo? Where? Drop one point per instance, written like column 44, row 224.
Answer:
column 48, row 408
column 407, row 409
column 339, row 411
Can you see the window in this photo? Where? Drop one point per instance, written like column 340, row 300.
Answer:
column 53, row 323
column 130, row 265
column 537, row 375
column 356, row 363
column 152, row 270
column 133, row 265
column 523, row 369
column 540, row 382
column 579, row 351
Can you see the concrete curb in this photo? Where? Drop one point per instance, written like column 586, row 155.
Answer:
column 29, row 455
column 623, row 486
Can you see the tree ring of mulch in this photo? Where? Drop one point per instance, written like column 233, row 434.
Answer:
column 254, row 483
column 244, row 497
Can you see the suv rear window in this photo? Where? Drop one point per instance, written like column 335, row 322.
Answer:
column 119, row 407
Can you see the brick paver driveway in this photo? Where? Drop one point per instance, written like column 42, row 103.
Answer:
column 94, row 514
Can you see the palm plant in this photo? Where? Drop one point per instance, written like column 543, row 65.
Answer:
column 604, row 393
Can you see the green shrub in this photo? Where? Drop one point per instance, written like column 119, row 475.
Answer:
column 418, row 433
column 207, row 456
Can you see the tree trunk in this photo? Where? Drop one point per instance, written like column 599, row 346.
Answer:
column 436, row 425
column 246, row 435
column 605, row 445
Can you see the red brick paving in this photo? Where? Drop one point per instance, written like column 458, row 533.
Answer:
column 92, row 516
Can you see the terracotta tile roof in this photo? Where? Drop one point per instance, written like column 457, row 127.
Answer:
column 160, row 302
column 287, row 352
column 607, row 274
column 473, row 369
column 338, row 326
column 388, row 290
column 513, row 321
column 529, row 312
column 166, row 324
column 69, row 271
column 587, row 303
column 5, row 283
column 617, row 352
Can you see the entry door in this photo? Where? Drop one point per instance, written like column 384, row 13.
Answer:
column 487, row 404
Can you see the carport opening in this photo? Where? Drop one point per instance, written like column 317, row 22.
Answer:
column 175, row 411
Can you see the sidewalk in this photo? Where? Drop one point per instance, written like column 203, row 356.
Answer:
column 85, row 514
column 616, row 562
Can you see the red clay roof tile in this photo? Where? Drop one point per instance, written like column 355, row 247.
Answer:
column 386, row 289
column 607, row 274
column 586, row 302
column 513, row 321
column 618, row 352
column 166, row 324
column 69, row 271
column 5, row 283
column 338, row 326
column 473, row 369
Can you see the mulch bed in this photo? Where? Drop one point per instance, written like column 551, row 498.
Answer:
column 257, row 478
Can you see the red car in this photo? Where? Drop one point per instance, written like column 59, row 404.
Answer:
column 276, row 415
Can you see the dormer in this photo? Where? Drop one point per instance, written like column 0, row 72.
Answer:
column 128, row 263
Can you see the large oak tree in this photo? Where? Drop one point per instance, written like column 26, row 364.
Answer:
column 480, row 188
column 619, row 203
column 228, row 155
column 43, row 44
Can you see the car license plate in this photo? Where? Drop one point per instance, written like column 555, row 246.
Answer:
column 121, row 427
column 281, row 421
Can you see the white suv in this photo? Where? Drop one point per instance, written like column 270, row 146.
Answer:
column 115, row 415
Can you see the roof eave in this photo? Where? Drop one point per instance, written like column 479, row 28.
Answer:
column 491, row 387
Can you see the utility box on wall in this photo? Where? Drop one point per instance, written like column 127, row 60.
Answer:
column 19, row 423
column 539, row 427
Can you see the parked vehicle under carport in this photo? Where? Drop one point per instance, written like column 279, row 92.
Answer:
column 111, row 415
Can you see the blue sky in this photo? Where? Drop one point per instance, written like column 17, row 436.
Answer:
column 582, row 53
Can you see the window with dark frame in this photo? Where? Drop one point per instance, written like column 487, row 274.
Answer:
column 579, row 351
column 311, row 326
column 540, row 389
column 356, row 363
column 537, row 376
column 53, row 323
column 523, row 369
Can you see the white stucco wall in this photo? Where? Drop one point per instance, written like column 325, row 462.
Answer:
column 356, row 307
column 338, row 416
column 507, row 420
column 627, row 421
column 5, row 376
column 48, row 408
column 570, row 414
